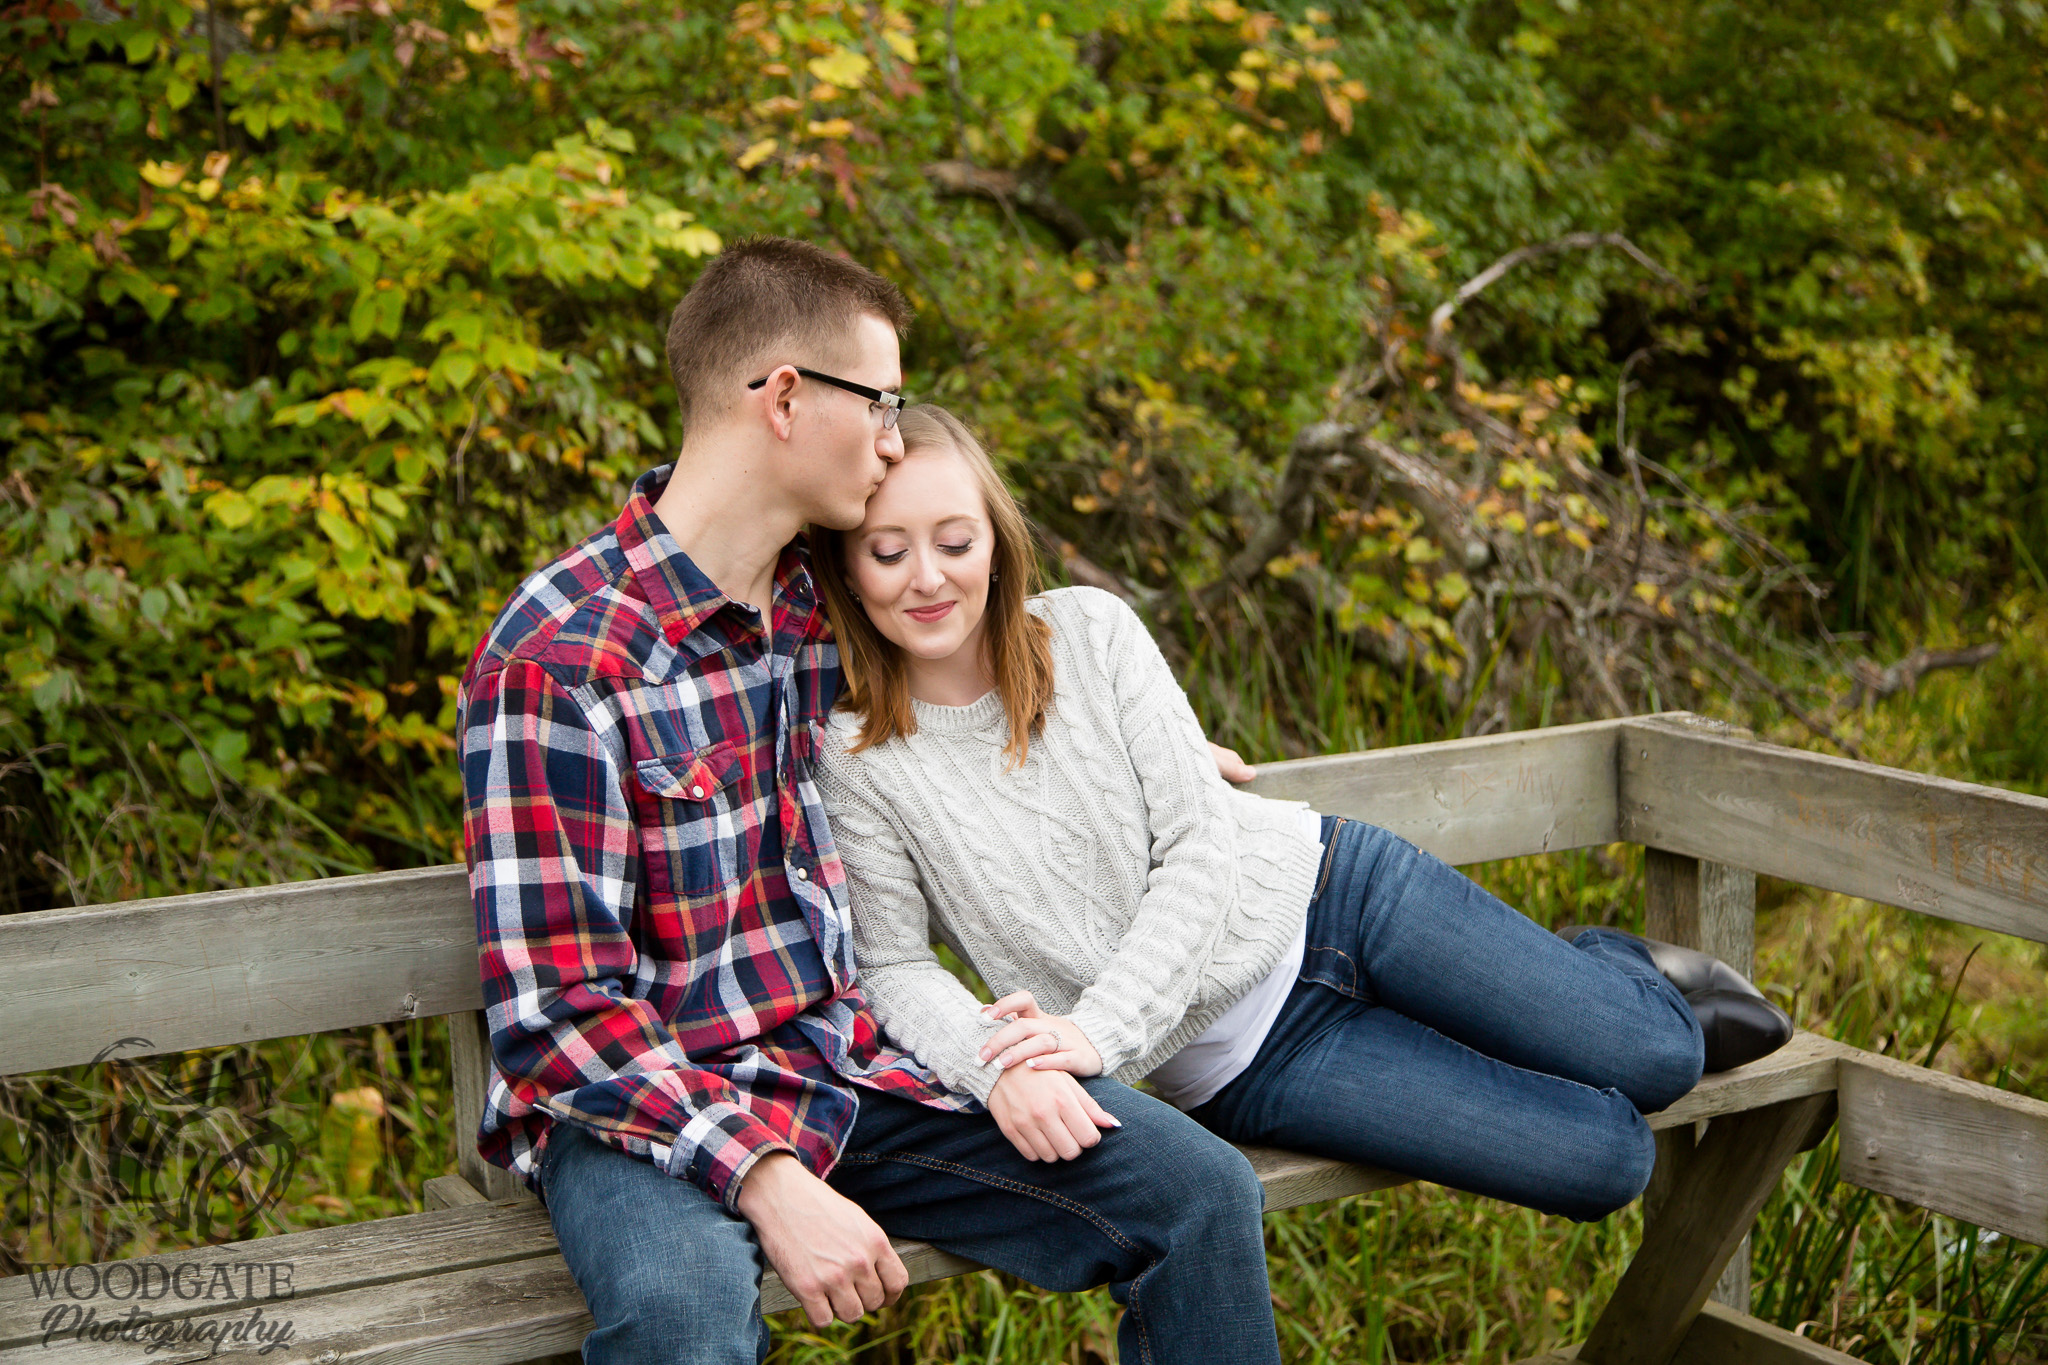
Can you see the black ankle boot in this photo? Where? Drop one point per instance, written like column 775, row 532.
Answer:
column 1739, row 1027
column 1738, row 1023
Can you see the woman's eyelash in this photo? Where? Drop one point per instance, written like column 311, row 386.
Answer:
column 896, row 557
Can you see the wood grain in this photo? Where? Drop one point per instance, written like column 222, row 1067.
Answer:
column 1712, row 907
column 1292, row 1178
column 1805, row 1066
column 329, row 1260
column 1682, row 1255
column 220, row 967
column 1722, row 1336
column 1470, row 800
column 1966, row 1150
column 1968, row 853
column 450, row 1192
column 469, row 1059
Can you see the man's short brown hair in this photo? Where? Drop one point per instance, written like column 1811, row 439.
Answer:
column 767, row 301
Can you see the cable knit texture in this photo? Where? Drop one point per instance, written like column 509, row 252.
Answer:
column 1115, row 875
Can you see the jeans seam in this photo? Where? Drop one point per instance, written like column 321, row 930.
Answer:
column 1038, row 1192
column 1329, row 857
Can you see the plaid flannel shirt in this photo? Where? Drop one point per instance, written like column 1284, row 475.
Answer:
column 645, row 975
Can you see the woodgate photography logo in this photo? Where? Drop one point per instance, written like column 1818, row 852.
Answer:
column 186, row 1142
column 103, row 1303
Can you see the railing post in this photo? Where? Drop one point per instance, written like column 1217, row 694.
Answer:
column 1712, row 907
column 469, row 1058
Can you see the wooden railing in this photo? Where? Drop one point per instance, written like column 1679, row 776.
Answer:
column 1713, row 807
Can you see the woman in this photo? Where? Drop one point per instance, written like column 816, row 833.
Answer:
column 1022, row 775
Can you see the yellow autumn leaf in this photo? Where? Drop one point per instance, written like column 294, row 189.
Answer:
column 841, row 67
column 1577, row 537
column 1085, row 503
column 698, row 241
column 504, row 25
column 1244, row 80
column 831, row 127
column 1646, row 591
column 1084, row 280
column 757, row 153
column 163, row 174
column 902, row 45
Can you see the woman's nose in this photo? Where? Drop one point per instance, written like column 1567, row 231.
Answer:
column 928, row 578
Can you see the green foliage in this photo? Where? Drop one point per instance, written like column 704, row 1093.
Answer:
column 321, row 325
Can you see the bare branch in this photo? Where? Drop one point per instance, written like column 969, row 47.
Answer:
column 1439, row 499
column 1314, row 446
column 964, row 178
column 1440, row 320
column 1875, row 684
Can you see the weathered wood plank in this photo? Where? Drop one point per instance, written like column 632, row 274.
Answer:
column 1722, row 1336
column 469, row 1059
column 1973, row 854
column 234, row 966
column 322, row 1260
column 1966, row 1150
column 1706, row 1216
column 1470, row 800
column 481, row 1315
column 1699, row 904
column 451, row 1192
column 1712, row 907
column 1292, row 1178
column 1805, row 1066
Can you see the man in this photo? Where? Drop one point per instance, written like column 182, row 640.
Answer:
column 686, row 1071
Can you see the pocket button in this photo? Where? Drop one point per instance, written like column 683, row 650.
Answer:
column 802, row 875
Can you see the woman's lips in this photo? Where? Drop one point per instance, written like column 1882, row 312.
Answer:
column 928, row 614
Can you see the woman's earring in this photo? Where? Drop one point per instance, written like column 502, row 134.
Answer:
column 995, row 575
column 853, row 597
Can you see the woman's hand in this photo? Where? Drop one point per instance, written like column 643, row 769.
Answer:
column 1233, row 768
column 1041, row 1041
column 1046, row 1115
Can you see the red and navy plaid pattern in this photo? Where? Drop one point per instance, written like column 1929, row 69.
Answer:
column 630, row 736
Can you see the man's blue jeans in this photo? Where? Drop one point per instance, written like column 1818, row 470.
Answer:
column 1437, row 1032
column 1165, row 1213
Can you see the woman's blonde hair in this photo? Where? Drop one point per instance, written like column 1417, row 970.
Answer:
column 1018, row 644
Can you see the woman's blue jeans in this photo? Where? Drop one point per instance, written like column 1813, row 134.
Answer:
column 1437, row 1032
column 1165, row 1213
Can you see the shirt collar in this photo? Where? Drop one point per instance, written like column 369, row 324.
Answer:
column 682, row 597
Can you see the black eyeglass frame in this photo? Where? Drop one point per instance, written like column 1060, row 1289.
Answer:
column 890, row 403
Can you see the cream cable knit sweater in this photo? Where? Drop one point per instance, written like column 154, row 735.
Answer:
column 1115, row 875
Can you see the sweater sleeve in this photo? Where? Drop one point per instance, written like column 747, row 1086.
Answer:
column 1147, row 984
column 921, row 1006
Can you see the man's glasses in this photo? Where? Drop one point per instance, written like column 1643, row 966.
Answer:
column 889, row 403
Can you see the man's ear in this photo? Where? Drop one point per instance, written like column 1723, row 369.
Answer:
column 779, row 401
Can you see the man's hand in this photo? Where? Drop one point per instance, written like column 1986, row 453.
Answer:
column 1046, row 1115
column 828, row 1252
column 1233, row 768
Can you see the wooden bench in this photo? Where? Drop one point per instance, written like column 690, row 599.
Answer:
column 477, row 1280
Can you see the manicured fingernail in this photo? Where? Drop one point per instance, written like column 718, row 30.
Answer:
column 1115, row 1122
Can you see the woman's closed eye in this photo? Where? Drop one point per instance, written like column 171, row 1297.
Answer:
column 896, row 556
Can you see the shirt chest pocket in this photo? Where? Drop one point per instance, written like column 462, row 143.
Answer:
column 696, row 844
